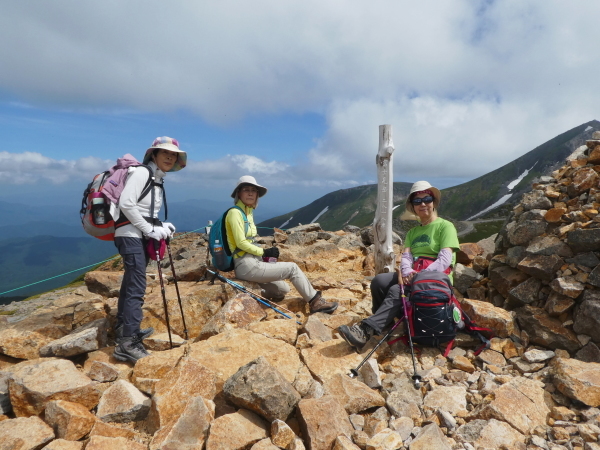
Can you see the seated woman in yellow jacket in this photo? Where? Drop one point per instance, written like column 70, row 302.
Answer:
column 250, row 260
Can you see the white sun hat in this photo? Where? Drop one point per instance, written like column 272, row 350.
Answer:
column 248, row 179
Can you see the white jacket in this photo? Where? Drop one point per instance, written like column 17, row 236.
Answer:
column 128, row 202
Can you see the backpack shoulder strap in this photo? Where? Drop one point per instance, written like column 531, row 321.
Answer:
column 246, row 224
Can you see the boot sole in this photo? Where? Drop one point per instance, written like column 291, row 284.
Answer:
column 326, row 310
column 124, row 357
column 356, row 347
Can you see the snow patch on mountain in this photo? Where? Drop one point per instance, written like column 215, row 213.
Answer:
column 286, row 222
column 320, row 214
column 510, row 186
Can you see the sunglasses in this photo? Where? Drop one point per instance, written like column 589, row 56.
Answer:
column 418, row 201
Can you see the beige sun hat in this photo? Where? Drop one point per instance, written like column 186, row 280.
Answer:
column 248, row 179
column 423, row 186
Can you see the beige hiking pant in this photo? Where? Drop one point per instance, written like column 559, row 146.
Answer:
column 270, row 276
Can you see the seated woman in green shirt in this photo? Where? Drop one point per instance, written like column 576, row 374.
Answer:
column 429, row 246
column 253, row 263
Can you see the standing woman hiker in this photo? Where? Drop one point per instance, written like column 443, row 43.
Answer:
column 432, row 245
column 249, row 259
column 137, row 224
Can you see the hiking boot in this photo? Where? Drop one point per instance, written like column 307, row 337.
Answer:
column 130, row 349
column 319, row 304
column 357, row 335
column 143, row 334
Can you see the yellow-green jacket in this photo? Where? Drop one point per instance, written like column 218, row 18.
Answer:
column 234, row 224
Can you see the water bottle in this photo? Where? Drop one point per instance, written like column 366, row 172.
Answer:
column 219, row 254
column 98, row 211
column 208, row 227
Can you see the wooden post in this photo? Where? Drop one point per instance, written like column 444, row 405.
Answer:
column 385, row 259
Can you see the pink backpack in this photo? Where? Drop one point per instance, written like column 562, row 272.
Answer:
column 106, row 187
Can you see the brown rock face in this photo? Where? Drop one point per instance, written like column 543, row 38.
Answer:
column 322, row 421
column 259, row 387
column 577, row 380
column 188, row 379
column 24, row 433
column 225, row 353
column 505, row 278
column 236, row 431
column 187, row 430
column 34, row 385
column 123, row 402
column 70, row 421
column 327, row 359
column 106, row 284
column 238, row 312
column 545, row 330
column 487, row 315
column 430, row 438
column 352, row 394
column 116, row 443
column 541, row 266
column 520, row 403
column 468, row 252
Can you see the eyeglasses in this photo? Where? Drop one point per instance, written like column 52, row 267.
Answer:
column 418, row 201
column 249, row 190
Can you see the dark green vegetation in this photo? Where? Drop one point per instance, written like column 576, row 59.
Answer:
column 356, row 206
column 482, row 230
column 353, row 206
column 26, row 261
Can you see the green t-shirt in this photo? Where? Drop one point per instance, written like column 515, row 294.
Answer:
column 428, row 240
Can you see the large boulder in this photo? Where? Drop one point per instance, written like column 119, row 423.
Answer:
column 188, row 429
column 259, row 387
column 322, row 421
column 34, row 385
column 70, row 421
column 123, row 402
column 90, row 337
column 187, row 379
column 238, row 312
column 577, row 380
column 225, row 353
column 521, row 403
column 236, row 431
column 24, row 433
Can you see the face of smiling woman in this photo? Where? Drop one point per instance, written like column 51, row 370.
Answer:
column 425, row 211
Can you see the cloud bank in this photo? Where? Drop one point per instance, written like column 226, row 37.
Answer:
column 467, row 85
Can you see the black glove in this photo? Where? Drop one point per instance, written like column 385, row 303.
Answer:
column 271, row 252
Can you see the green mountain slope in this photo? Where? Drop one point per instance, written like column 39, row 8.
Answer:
column 25, row 261
column 356, row 206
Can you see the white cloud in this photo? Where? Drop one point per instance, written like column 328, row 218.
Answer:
column 34, row 168
column 468, row 85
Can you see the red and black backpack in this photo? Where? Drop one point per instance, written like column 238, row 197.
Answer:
column 435, row 315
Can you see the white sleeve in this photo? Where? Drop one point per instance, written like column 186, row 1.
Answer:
column 128, row 202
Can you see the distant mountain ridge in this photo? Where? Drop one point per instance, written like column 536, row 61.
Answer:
column 502, row 187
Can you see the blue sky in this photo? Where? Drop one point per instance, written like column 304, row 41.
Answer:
column 290, row 92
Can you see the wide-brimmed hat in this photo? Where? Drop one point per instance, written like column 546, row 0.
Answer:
column 247, row 179
column 423, row 186
column 170, row 144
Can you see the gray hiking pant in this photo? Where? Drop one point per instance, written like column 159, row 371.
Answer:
column 270, row 276
column 387, row 303
column 133, row 286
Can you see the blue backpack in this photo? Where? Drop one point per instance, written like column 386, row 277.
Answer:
column 222, row 258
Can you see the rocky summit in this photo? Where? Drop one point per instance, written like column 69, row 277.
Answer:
column 238, row 375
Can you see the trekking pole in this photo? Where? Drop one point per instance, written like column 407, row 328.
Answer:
column 354, row 372
column 249, row 292
column 256, row 297
column 185, row 331
column 162, row 289
column 416, row 378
